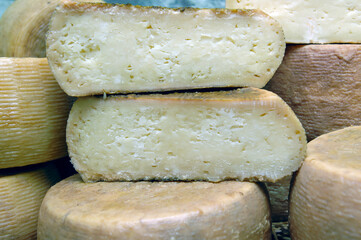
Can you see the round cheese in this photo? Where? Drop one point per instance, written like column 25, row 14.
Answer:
column 23, row 27
column 321, row 83
column 73, row 209
column 325, row 202
column 33, row 113
column 21, row 193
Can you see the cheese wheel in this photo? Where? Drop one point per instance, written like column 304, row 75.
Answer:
column 21, row 193
column 278, row 194
column 321, row 84
column 312, row 21
column 97, row 48
column 73, row 209
column 33, row 112
column 325, row 202
column 23, row 27
column 242, row 134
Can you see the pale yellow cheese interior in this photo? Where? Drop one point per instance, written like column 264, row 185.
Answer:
column 242, row 134
column 103, row 48
column 73, row 209
column 312, row 21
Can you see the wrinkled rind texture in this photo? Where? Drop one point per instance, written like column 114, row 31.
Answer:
column 141, row 49
column 242, row 134
column 21, row 194
column 325, row 201
column 73, row 209
column 321, row 83
column 23, row 27
column 33, row 110
column 312, row 21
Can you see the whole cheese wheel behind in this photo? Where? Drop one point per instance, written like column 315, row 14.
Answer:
column 325, row 201
column 73, row 209
column 322, row 84
column 21, row 193
column 33, row 113
column 23, row 27
column 242, row 134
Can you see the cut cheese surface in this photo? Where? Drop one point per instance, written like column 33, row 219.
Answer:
column 21, row 193
column 23, row 27
column 313, row 21
column 33, row 113
column 242, row 134
column 325, row 200
column 97, row 48
column 321, row 83
column 73, row 209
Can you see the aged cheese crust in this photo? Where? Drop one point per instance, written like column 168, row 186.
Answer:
column 23, row 27
column 33, row 112
column 73, row 209
column 140, row 49
column 325, row 202
column 242, row 134
column 321, row 83
column 313, row 21
column 21, row 193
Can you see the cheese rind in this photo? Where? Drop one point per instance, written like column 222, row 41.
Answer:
column 73, row 209
column 140, row 49
column 321, row 84
column 23, row 27
column 325, row 201
column 313, row 21
column 33, row 111
column 21, row 193
column 242, row 134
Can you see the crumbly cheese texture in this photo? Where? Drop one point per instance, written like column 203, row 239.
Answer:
column 21, row 193
column 241, row 134
column 23, row 27
column 73, row 209
column 33, row 113
column 97, row 48
column 321, row 83
column 325, row 201
column 313, row 21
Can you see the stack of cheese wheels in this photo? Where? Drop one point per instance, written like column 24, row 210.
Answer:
column 21, row 193
column 318, row 81
column 213, row 136
column 325, row 201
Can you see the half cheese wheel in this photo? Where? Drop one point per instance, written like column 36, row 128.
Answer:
column 97, row 48
column 312, row 21
column 21, row 193
column 23, row 27
column 321, row 83
column 33, row 112
column 242, row 134
column 73, row 209
column 325, row 200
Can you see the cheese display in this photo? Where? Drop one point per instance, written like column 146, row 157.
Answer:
column 33, row 112
column 21, row 193
column 104, row 48
column 325, row 201
column 247, row 133
column 313, row 21
column 278, row 194
column 321, row 83
column 73, row 209
column 23, row 27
